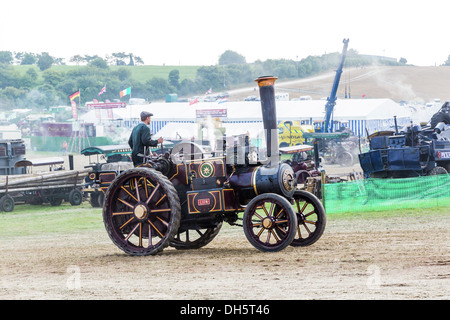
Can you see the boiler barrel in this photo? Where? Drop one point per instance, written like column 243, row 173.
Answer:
column 252, row 181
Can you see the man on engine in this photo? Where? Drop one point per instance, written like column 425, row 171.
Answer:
column 141, row 137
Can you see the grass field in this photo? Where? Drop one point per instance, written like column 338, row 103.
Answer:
column 29, row 220
column 138, row 73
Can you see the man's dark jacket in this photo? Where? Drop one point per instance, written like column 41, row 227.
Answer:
column 140, row 137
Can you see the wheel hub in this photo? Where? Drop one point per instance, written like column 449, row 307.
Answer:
column 267, row 223
column 300, row 218
column 140, row 211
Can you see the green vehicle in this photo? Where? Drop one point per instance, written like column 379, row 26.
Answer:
column 107, row 162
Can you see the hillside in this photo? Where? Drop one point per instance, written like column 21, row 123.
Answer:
column 138, row 73
column 410, row 83
column 420, row 84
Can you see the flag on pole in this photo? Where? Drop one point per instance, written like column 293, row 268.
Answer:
column 74, row 95
column 125, row 92
column 193, row 101
column 223, row 100
column 74, row 110
column 102, row 91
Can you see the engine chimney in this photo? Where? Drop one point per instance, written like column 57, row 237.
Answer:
column 269, row 114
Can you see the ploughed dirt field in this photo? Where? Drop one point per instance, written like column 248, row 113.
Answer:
column 398, row 255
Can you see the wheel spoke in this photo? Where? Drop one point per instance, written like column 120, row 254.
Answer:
column 122, row 213
column 163, row 222
column 150, row 240
column 152, row 194
column 126, row 203
column 308, row 214
column 256, row 214
column 260, row 232
column 132, row 232
column 268, row 237
column 282, row 209
column 307, row 229
column 126, row 223
column 156, row 204
column 275, row 235
column 123, row 188
column 272, row 207
column 145, row 187
column 299, row 232
column 160, row 210
column 304, row 207
column 157, row 230
column 137, row 190
column 140, row 234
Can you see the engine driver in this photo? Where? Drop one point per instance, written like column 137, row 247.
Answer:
column 141, row 137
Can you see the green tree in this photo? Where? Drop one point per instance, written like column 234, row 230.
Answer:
column 174, row 78
column 31, row 72
column 119, row 58
column 210, row 77
column 45, row 61
column 77, row 59
column 53, row 77
column 122, row 74
column 99, row 63
column 28, row 59
column 6, row 57
column 231, row 57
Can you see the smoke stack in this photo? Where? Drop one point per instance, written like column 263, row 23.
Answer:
column 269, row 114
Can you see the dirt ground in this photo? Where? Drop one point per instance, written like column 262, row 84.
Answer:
column 382, row 258
column 419, row 84
column 358, row 257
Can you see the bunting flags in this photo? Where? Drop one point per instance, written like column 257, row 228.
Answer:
column 223, row 100
column 102, row 91
column 193, row 101
column 209, row 91
column 125, row 92
column 74, row 95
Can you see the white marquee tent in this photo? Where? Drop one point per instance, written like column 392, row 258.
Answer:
column 357, row 114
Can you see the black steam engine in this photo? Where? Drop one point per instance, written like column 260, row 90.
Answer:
column 182, row 198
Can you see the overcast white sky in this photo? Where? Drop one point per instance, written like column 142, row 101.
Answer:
column 196, row 32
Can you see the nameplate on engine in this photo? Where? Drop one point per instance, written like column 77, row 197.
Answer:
column 204, row 201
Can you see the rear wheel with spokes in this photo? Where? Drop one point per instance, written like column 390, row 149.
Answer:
column 195, row 238
column 141, row 211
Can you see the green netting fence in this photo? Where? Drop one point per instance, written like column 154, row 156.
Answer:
column 387, row 194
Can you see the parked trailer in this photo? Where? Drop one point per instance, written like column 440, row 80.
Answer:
column 45, row 187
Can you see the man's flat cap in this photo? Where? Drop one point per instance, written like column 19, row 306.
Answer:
column 145, row 114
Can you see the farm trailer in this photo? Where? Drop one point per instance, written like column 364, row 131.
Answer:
column 45, row 187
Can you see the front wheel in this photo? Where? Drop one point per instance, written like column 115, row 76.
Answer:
column 269, row 222
column 7, row 203
column 75, row 197
column 311, row 218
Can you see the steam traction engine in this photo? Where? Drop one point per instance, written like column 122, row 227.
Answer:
column 183, row 197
